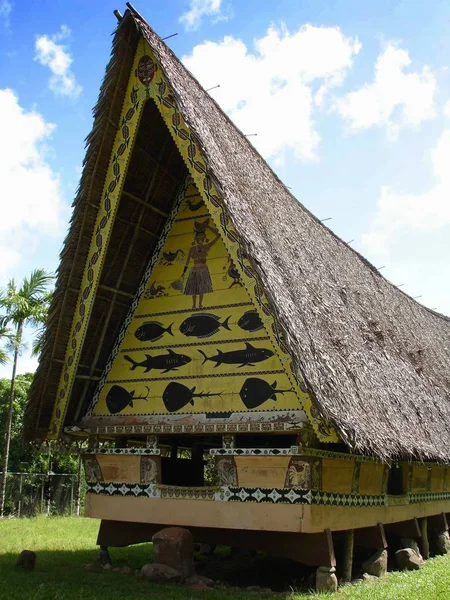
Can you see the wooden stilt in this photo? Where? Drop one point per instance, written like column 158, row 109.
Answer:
column 103, row 557
column 348, row 555
column 425, row 546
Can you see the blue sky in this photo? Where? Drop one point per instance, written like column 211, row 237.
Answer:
column 350, row 102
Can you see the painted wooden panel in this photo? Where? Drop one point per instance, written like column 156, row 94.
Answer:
column 419, row 479
column 262, row 471
column 196, row 347
column 370, row 478
column 437, row 479
column 337, row 475
column 120, row 468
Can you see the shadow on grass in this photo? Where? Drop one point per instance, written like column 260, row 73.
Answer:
column 61, row 575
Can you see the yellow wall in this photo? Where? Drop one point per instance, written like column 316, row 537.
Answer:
column 180, row 358
column 262, row 471
column 371, row 478
column 337, row 475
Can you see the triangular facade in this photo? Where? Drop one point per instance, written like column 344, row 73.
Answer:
column 200, row 350
column 200, row 300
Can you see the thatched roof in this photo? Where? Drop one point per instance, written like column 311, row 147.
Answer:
column 376, row 362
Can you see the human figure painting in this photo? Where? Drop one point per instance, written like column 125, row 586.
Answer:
column 199, row 279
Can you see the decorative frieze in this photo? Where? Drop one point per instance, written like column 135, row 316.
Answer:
column 139, row 451
column 237, row 494
column 256, row 451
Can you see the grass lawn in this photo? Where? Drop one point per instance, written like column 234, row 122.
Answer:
column 65, row 545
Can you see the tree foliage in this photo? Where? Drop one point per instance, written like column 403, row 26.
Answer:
column 25, row 456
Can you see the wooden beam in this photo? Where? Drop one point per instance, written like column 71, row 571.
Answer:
column 88, row 377
column 125, row 222
column 424, row 545
column 348, row 555
column 81, row 366
column 371, row 537
column 409, row 528
column 146, row 204
column 438, row 523
column 109, row 288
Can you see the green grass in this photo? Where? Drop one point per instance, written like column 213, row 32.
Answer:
column 65, row 545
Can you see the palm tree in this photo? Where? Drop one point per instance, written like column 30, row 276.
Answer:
column 27, row 305
column 5, row 334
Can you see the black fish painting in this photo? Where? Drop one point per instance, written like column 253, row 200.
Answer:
column 176, row 396
column 151, row 331
column 203, row 325
column 250, row 321
column 165, row 362
column 256, row 391
column 118, row 398
column 244, row 358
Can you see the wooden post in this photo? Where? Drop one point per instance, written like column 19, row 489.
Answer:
column 425, row 546
column 78, row 488
column 348, row 555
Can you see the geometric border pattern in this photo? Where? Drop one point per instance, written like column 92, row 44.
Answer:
column 123, row 489
column 120, row 451
column 249, row 427
column 427, row 497
column 236, row 494
column 297, row 496
column 256, row 451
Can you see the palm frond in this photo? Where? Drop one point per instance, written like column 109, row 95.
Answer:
column 6, row 335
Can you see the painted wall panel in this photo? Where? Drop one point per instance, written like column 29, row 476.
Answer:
column 337, row 476
column 371, row 478
column 196, row 347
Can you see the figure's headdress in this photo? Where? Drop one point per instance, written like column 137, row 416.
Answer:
column 200, row 228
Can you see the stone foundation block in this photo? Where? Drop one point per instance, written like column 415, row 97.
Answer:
column 174, row 547
column 412, row 544
column 157, row 572
column 442, row 542
column 407, row 558
column 377, row 564
column 326, row 580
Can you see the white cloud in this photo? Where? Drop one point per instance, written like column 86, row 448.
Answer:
column 30, row 192
column 399, row 212
column 5, row 11
column 274, row 89
column 203, row 8
column 55, row 56
column 446, row 110
column 395, row 98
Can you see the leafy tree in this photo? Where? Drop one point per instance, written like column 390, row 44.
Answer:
column 25, row 457
column 26, row 305
column 22, row 455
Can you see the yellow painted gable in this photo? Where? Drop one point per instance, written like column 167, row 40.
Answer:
column 209, row 390
column 196, row 349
